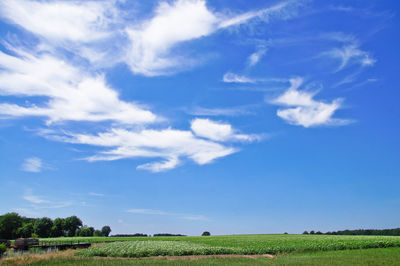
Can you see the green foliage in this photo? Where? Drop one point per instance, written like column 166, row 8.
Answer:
column 58, row 228
column 25, row 231
column 9, row 224
column 3, row 248
column 312, row 232
column 85, row 231
column 97, row 233
column 305, row 233
column 72, row 224
column 43, row 226
column 153, row 248
column 206, row 233
column 106, row 230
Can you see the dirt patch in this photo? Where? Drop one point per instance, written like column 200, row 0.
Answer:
column 196, row 257
column 191, row 257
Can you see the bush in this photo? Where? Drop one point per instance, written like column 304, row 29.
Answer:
column 206, row 233
column 3, row 248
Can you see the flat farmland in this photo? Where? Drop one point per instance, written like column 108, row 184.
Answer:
column 233, row 244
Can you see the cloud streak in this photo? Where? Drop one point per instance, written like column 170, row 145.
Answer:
column 33, row 165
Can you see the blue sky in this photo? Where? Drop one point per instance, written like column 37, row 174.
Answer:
column 190, row 115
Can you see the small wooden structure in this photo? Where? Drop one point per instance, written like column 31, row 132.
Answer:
column 25, row 243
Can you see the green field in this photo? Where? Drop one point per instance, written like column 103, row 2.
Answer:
column 237, row 244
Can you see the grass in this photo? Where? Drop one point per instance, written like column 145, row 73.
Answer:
column 267, row 244
column 380, row 256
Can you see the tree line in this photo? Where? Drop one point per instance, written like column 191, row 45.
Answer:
column 364, row 232
column 13, row 226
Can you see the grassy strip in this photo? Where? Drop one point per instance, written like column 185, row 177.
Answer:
column 383, row 256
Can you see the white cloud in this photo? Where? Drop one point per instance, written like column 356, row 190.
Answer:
column 32, row 164
column 174, row 23
column 304, row 110
column 217, row 131
column 73, row 93
column 33, row 198
column 83, row 21
column 234, row 111
column 94, row 194
column 255, row 57
column 351, row 54
column 190, row 217
column 169, row 144
column 234, row 78
column 147, row 211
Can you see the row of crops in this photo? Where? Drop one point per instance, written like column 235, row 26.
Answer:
column 240, row 244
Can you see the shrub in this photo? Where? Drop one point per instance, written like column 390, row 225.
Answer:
column 3, row 248
column 206, row 233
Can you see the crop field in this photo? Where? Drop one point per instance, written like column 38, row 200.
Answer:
column 236, row 244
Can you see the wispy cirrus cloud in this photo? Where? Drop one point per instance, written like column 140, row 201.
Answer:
column 74, row 21
column 28, row 196
column 181, row 21
column 302, row 110
column 32, row 164
column 234, row 78
column 190, row 217
column 351, row 54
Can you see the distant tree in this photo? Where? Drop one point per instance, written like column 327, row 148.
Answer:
column 85, row 231
column 72, row 224
column 42, row 227
column 312, row 232
column 9, row 224
column 305, row 233
column 318, row 233
column 25, row 231
column 58, row 228
column 97, row 233
column 206, row 233
column 106, row 230
column 285, row 233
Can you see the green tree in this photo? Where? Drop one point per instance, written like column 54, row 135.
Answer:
column 85, row 231
column 206, row 233
column 106, row 230
column 58, row 228
column 72, row 224
column 26, row 230
column 305, row 233
column 43, row 227
column 312, row 232
column 97, row 233
column 9, row 224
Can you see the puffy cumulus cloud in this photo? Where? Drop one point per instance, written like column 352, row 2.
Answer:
column 169, row 144
column 304, row 110
column 234, row 78
column 73, row 94
column 32, row 164
column 217, row 131
column 83, row 21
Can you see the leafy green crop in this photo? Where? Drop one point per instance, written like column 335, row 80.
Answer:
column 154, row 248
column 237, row 244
